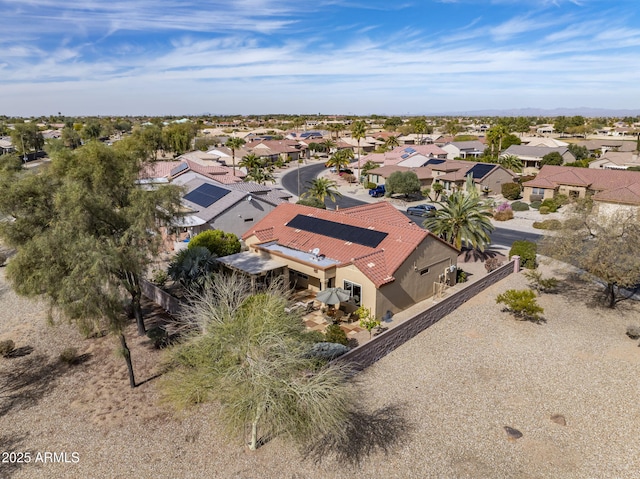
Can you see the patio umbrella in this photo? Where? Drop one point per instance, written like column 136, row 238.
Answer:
column 333, row 296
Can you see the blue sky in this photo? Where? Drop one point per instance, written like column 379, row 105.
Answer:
column 157, row 57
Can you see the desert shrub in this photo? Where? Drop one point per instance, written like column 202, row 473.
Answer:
column 158, row 336
column 527, row 250
column 560, row 199
column 548, row 225
column 3, row 259
column 540, row 284
column 633, row 331
column 492, row 264
column 521, row 303
column 6, row 347
column 503, row 215
column 370, row 186
column 535, row 204
column 327, row 350
column 349, row 178
column 159, row 277
column 335, row 334
column 544, row 210
column 519, row 206
column 551, row 204
column 511, row 191
column 313, row 202
column 573, row 223
column 69, row 355
column 461, row 276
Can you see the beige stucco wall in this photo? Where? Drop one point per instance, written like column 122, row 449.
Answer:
column 528, row 190
column 567, row 190
column 495, row 180
column 410, row 286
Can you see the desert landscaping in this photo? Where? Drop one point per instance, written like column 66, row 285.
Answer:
column 458, row 385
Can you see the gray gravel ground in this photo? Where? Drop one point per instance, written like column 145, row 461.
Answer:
column 460, row 382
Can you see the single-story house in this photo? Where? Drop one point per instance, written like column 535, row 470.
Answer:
column 232, row 208
column 6, row 146
column 464, row 149
column 616, row 160
column 402, row 153
column 609, row 188
column 451, row 174
column 385, row 261
column 531, row 156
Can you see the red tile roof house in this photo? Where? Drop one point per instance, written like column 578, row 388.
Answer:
column 611, row 190
column 385, row 261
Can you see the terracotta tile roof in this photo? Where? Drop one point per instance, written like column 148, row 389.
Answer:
column 617, row 186
column 162, row 169
column 378, row 264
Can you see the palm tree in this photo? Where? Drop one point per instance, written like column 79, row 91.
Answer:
column 260, row 175
column 250, row 162
column 341, row 159
column 234, row 143
column 320, row 188
column 391, row 142
column 462, row 218
column 495, row 134
column 328, row 145
column 510, row 162
column 359, row 131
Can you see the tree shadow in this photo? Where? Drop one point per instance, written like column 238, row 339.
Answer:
column 20, row 352
column 364, row 433
column 28, row 381
column 474, row 255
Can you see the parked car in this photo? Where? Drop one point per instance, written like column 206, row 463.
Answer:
column 378, row 191
column 421, row 210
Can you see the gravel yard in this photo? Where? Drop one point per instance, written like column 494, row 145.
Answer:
column 459, row 383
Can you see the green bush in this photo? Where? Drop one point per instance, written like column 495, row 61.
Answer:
column 69, row 356
column 548, row 225
column 560, row 199
column 544, row 210
column 461, row 276
column 335, row 334
column 511, row 191
column 521, row 303
column 159, row 277
column 527, row 250
column 535, row 204
column 519, row 206
column 370, row 185
column 551, row 204
column 313, row 202
column 6, row 347
column 540, row 284
column 217, row 241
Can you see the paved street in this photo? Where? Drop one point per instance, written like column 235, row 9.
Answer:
column 354, row 195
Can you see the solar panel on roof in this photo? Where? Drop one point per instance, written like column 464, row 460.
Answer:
column 406, row 155
column 480, row 170
column 206, row 195
column 354, row 234
column 409, row 150
column 179, row 169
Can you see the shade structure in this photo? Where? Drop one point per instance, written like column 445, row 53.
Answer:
column 333, row 296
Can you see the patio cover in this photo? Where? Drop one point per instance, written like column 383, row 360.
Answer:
column 251, row 263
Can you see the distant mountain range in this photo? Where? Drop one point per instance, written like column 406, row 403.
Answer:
column 563, row 111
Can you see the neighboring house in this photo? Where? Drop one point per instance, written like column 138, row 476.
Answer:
column 545, row 129
column 5, row 145
column 616, row 160
column 542, row 141
column 168, row 171
column 452, row 174
column 402, row 153
column 611, row 189
column 531, row 156
column 274, row 150
column 600, row 147
column 231, row 208
column 464, row 149
column 386, row 262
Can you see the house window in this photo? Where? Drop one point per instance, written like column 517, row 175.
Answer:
column 355, row 291
column 424, row 271
column 537, row 191
column 246, row 220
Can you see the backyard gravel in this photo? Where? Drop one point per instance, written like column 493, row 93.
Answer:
column 459, row 384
